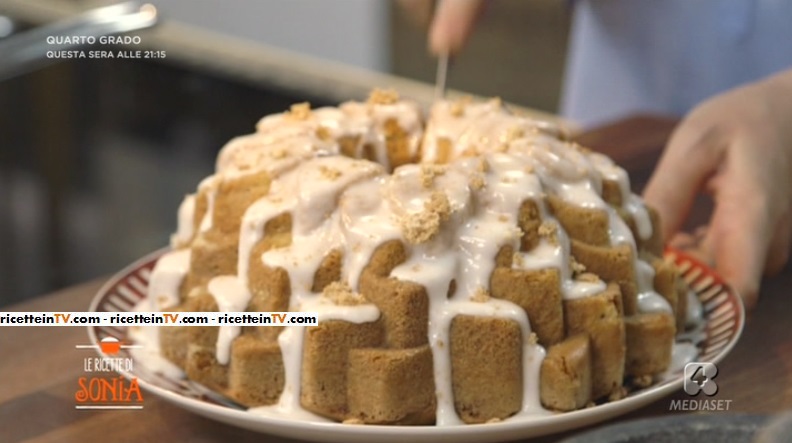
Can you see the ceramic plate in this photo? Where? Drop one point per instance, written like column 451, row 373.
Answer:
column 723, row 320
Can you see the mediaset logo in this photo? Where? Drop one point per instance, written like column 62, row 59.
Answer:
column 101, row 387
column 700, row 378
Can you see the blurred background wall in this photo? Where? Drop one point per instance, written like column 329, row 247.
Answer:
column 96, row 155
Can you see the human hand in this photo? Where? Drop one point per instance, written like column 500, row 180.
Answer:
column 738, row 147
column 451, row 25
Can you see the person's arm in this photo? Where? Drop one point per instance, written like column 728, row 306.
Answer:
column 738, row 147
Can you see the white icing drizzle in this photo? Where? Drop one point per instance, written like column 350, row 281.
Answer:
column 695, row 310
column 648, row 299
column 497, row 161
column 186, row 223
column 209, row 185
column 231, row 295
column 631, row 203
column 166, row 278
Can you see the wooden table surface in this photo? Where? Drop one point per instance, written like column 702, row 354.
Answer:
column 39, row 367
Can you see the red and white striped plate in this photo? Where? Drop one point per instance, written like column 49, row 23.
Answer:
column 723, row 313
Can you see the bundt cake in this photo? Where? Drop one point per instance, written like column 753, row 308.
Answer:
column 466, row 268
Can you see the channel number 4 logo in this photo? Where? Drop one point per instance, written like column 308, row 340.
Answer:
column 699, row 378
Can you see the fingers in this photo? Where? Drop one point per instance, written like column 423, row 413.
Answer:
column 739, row 237
column 690, row 158
column 419, row 11
column 778, row 255
column 452, row 25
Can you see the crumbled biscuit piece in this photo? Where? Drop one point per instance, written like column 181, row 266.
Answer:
column 353, row 421
column 588, row 277
column 458, row 107
column 529, row 169
column 383, row 97
column 576, row 266
column 428, row 174
column 508, row 179
column 343, row 295
column 512, row 134
column 477, row 182
column 480, row 296
column 577, row 147
column 643, row 381
column 518, row 260
column 300, row 111
column 503, row 218
column 533, row 339
column 323, row 134
column 549, row 230
column 618, row 394
column 590, row 404
column 331, row 174
column 516, row 232
column 422, row 226
column 279, row 154
column 483, row 166
column 471, row 151
column 503, row 147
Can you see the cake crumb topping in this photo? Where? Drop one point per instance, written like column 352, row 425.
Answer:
column 342, row 294
column 477, row 182
column 472, row 151
column 518, row 260
column 533, row 339
column 579, row 148
column 575, row 266
column 383, row 97
column 422, row 226
column 480, row 295
column 331, row 174
column 278, row 154
column 483, row 166
column 588, row 277
column 323, row 134
column 458, row 106
column 643, row 381
column 618, row 394
column 512, row 134
column 428, row 174
column 549, row 230
column 300, row 111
